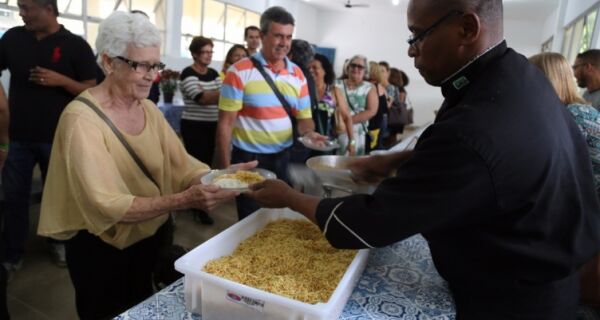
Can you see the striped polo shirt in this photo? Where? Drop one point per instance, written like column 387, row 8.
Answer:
column 194, row 83
column 262, row 124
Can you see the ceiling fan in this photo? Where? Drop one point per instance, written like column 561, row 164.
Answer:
column 349, row 4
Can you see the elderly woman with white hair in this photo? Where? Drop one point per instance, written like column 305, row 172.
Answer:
column 111, row 208
column 362, row 99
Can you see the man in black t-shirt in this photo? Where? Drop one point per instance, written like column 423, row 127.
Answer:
column 49, row 66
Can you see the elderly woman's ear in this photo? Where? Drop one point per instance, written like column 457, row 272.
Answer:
column 107, row 64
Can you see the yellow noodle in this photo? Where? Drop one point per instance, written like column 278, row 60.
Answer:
column 248, row 177
column 289, row 258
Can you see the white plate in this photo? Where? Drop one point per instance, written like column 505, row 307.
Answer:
column 210, row 177
column 327, row 145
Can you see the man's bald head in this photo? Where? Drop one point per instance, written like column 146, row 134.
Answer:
column 490, row 12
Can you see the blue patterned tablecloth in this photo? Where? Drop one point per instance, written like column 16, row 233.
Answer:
column 399, row 282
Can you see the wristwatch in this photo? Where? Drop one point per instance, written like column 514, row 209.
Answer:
column 352, row 142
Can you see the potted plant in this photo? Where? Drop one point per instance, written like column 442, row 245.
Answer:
column 168, row 84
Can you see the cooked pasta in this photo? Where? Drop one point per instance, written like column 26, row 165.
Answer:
column 245, row 177
column 289, row 258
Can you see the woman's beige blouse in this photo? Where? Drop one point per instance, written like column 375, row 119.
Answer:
column 92, row 180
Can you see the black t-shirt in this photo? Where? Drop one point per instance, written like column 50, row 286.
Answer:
column 500, row 185
column 35, row 109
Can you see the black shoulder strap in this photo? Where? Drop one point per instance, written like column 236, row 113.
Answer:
column 120, row 136
column 269, row 80
column 348, row 98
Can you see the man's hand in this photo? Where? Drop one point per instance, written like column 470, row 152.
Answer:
column 272, row 193
column 46, row 77
column 207, row 198
column 373, row 169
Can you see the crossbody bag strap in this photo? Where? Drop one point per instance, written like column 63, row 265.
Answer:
column 362, row 124
column 121, row 138
column 269, row 80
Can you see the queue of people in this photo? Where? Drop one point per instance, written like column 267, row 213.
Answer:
column 509, row 220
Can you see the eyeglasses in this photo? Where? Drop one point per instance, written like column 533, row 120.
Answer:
column 356, row 66
column 142, row 66
column 414, row 40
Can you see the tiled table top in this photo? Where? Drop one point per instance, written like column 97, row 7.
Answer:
column 399, row 282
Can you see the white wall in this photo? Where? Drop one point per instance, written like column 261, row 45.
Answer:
column 575, row 8
column 382, row 35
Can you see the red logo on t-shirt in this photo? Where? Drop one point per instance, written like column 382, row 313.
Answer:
column 56, row 55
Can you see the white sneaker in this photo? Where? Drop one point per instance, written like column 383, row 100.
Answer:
column 57, row 250
column 11, row 269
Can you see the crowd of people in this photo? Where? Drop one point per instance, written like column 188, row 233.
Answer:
column 504, row 185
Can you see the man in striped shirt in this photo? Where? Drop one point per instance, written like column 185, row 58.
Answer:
column 253, row 124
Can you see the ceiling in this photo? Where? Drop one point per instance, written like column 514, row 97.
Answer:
column 514, row 9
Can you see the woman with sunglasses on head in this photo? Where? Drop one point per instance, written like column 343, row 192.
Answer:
column 200, row 86
column 113, row 211
column 362, row 100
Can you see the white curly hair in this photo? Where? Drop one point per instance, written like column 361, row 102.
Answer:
column 121, row 29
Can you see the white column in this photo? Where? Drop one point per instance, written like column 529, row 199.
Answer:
column 173, row 28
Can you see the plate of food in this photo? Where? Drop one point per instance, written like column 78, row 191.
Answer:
column 235, row 179
column 322, row 145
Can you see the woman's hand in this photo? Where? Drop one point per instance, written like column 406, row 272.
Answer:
column 208, row 197
column 243, row 165
column 272, row 193
column 373, row 169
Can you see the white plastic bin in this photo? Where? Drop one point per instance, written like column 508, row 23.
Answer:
column 218, row 298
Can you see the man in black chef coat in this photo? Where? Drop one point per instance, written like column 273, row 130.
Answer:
column 500, row 185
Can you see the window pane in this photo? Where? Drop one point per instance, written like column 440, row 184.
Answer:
column 234, row 30
column 219, row 50
column 191, row 18
column 9, row 19
column 576, row 43
column 185, row 44
column 92, row 34
column 214, row 22
column 100, row 8
column 567, row 42
column 252, row 19
column 147, row 6
column 588, row 31
column 75, row 26
column 70, row 6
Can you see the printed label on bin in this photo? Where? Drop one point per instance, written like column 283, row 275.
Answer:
column 255, row 304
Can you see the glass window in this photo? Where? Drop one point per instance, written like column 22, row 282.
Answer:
column 73, row 25
column 578, row 36
column 70, row 6
column 191, row 18
column 234, row 29
column 100, row 8
column 213, row 24
column 252, row 19
column 92, row 34
column 9, row 19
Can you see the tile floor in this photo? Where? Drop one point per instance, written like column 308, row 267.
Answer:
column 43, row 291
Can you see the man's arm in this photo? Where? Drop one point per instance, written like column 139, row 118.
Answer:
column 224, row 130
column 4, row 123
column 51, row 78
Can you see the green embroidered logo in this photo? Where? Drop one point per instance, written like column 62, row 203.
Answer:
column 460, row 83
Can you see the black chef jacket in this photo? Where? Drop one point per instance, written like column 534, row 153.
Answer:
column 500, row 185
